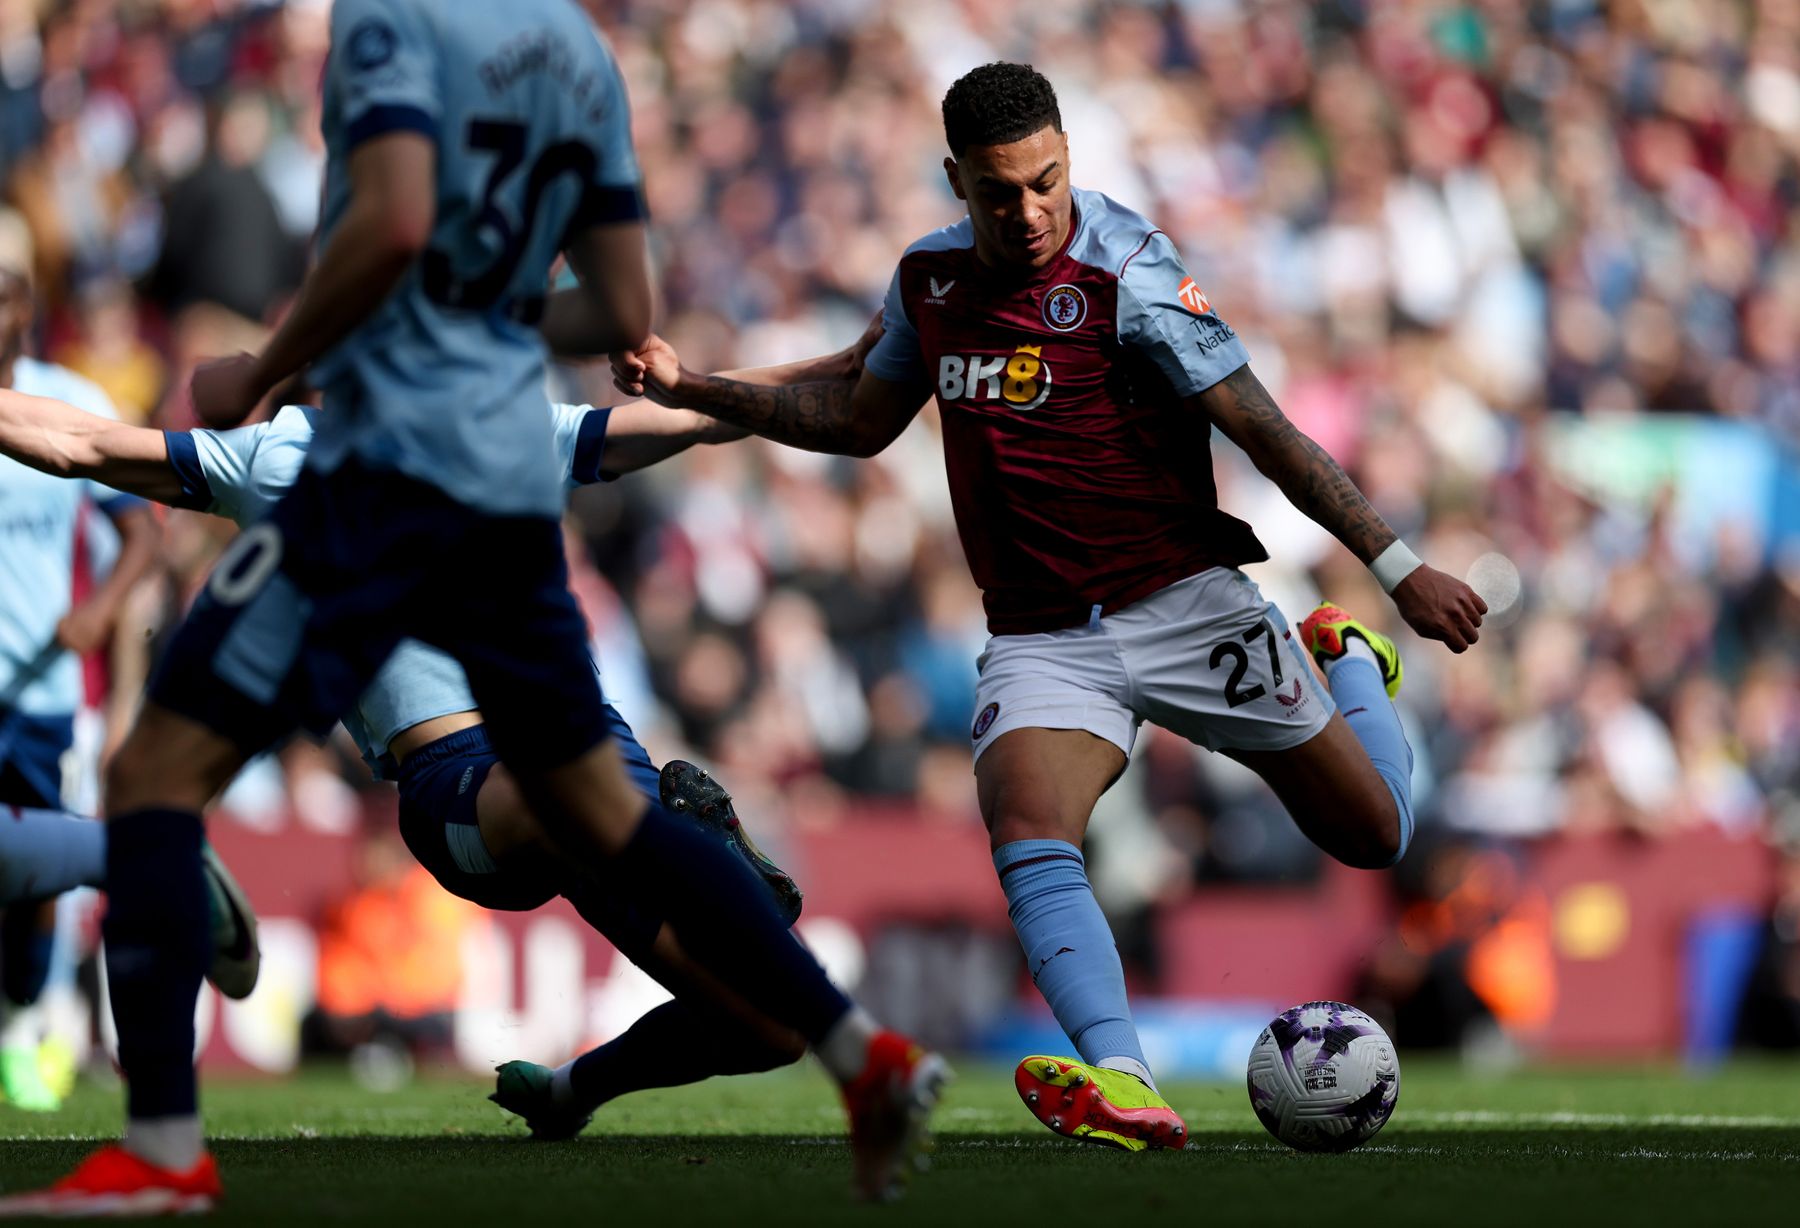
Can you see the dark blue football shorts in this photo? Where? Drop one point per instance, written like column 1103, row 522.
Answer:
column 438, row 786
column 307, row 603
column 31, row 751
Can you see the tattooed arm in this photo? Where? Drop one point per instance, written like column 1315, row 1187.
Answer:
column 1436, row 605
column 849, row 418
column 1241, row 407
column 822, row 405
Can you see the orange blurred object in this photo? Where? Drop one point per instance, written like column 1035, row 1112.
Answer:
column 394, row 946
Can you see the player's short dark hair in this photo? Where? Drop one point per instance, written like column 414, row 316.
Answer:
column 996, row 104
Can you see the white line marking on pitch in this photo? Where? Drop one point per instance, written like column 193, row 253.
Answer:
column 1696, row 1120
column 1490, row 1117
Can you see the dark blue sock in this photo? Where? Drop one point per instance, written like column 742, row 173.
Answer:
column 157, row 935
column 668, row 1047
column 25, row 947
column 726, row 920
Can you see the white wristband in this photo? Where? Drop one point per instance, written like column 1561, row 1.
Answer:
column 1395, row 564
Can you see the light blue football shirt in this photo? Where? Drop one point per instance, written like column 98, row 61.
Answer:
column 240, row 474
column 444, row 383
column 39, row 517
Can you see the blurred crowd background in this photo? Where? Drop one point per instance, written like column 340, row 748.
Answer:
column 1527, row 269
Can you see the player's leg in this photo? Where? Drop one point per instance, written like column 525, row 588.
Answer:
column 1215, row 662
column 231, row 683
column 465, row 819
column 1051, row 736
column 297, row 617
column 1349, row 787
column 526, row 657
column 1363, row 669
column 708, row 1030
column 47, row 852
column 1037, row 788
column 1339, row 798
column 27, row 938
column 31, row 751
column 158, row 924
column 704, row 1032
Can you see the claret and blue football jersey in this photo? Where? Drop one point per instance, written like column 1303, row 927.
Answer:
column 1077, row 478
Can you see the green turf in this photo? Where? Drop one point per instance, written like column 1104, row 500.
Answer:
column 1543, row 1147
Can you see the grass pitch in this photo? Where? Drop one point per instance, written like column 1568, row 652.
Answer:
column 1541, row 1147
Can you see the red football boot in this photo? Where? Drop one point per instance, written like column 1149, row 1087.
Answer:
column 115, row 1183
column 890, row 1105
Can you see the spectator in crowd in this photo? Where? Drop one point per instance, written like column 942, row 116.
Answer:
column 223, row 239
column 390, row 953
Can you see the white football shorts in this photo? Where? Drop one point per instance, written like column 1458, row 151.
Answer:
column 1206, row 658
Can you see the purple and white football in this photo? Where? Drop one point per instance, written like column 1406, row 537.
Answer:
column 1323, row 1077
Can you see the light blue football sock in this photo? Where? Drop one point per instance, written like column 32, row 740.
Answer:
column 1360, row 694
column 1070, row 950
column 44, row 853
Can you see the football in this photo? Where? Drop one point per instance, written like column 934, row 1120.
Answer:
column 1323, row 1077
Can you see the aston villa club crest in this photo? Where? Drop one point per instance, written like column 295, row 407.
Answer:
column 1065, row 307
column 984, row 722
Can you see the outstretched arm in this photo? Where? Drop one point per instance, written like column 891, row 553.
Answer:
column 1436, row 605
column 819, row 404
column 66, row 442
column 641, row 433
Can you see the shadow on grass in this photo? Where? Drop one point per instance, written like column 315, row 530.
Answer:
column 1461, row 1176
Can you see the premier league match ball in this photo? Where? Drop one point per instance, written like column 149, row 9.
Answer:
column 1323, row 1077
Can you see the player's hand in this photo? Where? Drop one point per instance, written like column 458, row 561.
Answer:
column 1440, row 607
column 651, row 371
column 225, row 391
column 84, row 629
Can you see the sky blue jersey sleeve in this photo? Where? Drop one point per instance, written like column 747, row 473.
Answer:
column 897, row 357
column 1166, row 316
column 239, row 474
column 580, row 441
column 384, row 68
column 215, row 467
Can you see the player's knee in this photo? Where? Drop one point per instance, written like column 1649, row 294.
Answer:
column 169, row 762
column 591, row 798
column 783, row 1050
column 141, row 775
column 1378, row 841
column 1011, row 824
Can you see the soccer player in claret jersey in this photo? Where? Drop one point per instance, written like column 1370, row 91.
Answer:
column 467, row 145
column 1079, row 369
